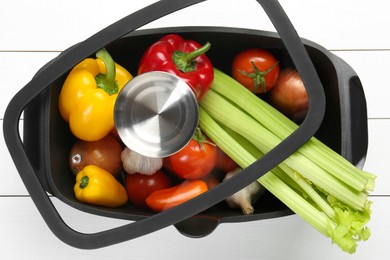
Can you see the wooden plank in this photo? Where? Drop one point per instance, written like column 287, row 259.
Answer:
column 377, row 155
column 57, row 25
column 12, row 184
column 280, row 238
column 16, row 70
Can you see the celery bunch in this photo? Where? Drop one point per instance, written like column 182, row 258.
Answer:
column 315, row 182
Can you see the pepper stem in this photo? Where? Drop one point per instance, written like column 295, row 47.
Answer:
column 185, row 61
column 107, row 81
column 84, row 182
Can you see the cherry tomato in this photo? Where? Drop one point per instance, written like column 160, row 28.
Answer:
column 256, row 69
column 104, row 153
column 168, row 198
column 194, row 161
column 289, row 95
column 140, row 186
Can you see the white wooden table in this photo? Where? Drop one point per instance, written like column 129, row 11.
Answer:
column 34, row 32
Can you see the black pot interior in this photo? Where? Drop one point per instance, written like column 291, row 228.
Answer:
column 54, row 140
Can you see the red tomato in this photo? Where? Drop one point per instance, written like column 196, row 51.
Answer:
column 140, row 186
column 256, row 69
column 194, row 161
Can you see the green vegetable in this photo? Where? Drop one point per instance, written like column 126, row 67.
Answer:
column 315, row 182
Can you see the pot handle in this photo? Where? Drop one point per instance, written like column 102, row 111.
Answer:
column 69, row 58
column 354, row 117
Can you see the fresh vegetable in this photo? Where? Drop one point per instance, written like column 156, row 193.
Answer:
column 88, row 96
column 134, row 162
column 97, row 186
column 315, row 182
column 183, row 58
column 256, row 69
column 168, row 198
column 211, row 180
column 244, row 198
column 289, row 95
column 105, row 153
column 224, row 162
column 140, row 186
column 196, row 160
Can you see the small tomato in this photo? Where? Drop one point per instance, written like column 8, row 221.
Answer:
column 196, row 160
column 256, row 69
column 140, row 186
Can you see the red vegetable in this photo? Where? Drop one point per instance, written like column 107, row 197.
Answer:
column 224, row 162
column 289, row 95
column 256, row 69
column 140, row 186
column 211, row 180
column 196, row 160
column 183, row 58
column 168, row 198
column 104, row 153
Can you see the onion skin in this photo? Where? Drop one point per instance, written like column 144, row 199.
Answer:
column 104, row 153
column 289, row 95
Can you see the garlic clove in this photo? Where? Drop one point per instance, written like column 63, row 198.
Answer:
column 245, row 198
column 134, row 162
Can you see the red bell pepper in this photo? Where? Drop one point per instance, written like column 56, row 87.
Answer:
column 183, row 58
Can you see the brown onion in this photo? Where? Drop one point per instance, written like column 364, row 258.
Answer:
column 289, row 95
column 105, row 153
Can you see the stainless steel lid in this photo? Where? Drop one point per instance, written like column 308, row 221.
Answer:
column 156, row 114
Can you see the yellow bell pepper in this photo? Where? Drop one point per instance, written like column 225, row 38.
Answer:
column 97, row 186
column 88, row 95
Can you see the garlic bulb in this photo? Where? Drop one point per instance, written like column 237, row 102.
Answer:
column 246, row 197
column 134, row 162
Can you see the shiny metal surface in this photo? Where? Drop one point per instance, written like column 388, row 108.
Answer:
column 156, row 114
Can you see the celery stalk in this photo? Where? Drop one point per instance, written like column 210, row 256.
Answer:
column 290, row 182
column 305, row 179
column 296, row 203
column 236, row 147
column 222, row 139
column 288, row 178
column 264, row 140
column 281, row 126
column 312, row 193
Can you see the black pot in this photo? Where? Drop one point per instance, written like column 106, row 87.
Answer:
column 337, row 116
